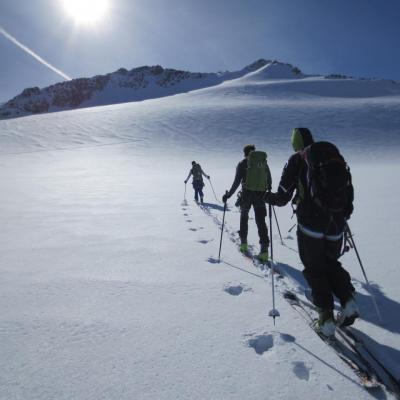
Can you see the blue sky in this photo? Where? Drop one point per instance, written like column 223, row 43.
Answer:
column 354, row 37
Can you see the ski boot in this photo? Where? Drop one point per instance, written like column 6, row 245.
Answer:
column 243, row 248
column 325, row 324
column 263, row 255
column 349, row 313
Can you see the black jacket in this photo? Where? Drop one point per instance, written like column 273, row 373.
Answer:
column 294, row 183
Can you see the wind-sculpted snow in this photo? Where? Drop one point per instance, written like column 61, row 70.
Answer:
column 362, row 117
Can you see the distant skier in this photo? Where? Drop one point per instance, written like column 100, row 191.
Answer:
column 321, row 181
column 197, row 181
column 254, row 175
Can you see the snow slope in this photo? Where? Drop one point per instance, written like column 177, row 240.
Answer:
column 110, row 289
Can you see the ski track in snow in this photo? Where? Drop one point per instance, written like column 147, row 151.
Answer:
column 265, row 342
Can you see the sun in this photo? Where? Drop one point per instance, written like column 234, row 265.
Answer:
column 86, row 11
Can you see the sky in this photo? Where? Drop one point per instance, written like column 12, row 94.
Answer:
column 40, row 44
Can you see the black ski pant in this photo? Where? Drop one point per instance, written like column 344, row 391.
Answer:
column 198, row 189
column 255, row 199
column 322, row 270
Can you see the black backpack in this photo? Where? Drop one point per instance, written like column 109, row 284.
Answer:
column 196, row 171
column 328, row 178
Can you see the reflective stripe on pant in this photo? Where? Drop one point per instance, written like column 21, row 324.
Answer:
column 322, row 270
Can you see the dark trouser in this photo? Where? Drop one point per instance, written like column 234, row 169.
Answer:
column 255, row 199
column 198, row 189
column 322, row 270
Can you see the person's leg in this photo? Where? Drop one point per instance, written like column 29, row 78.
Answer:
column 339, row 278
column 201, row 193
column 260, row 212
column 196, row 190
column 313, row 256
column 244, row 216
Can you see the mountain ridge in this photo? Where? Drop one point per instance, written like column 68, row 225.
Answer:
column 151, row 82
column 120, row 86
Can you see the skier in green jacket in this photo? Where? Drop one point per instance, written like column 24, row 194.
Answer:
column 254, row 175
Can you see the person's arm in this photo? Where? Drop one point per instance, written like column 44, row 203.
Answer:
column 190, row 173
column 350, row 197
column 237, row 180
column 204, row 174
column 269, row 179
column 235, row 184
column 287, row 184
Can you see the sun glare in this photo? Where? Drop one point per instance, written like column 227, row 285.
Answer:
column 86, row 11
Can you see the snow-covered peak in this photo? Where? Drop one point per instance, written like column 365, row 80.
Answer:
column 256, row 65
column 275, row 70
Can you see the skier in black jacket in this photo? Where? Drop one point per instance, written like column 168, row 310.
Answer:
column 251, row 198
column 319, row 237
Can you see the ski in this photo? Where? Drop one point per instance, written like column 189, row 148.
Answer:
column 366, row 374
column 383, row 373
column 347, row 334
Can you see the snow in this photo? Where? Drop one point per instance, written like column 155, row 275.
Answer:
column 110, row 287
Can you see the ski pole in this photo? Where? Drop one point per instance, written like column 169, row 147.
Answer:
column 277, row 224
column 290, row 230
column 184, row 202
column 351, row 239
column 274, row 312
column 212, row 188
column 222, row 231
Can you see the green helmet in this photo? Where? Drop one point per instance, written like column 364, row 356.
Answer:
column 301, row 138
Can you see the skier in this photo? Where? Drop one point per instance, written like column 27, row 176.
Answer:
column 254, row 175
column 321, row 223
column 197, row 181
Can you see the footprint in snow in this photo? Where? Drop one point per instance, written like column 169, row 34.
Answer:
column 204, row 241
column 186, row 214
column 265, row 342
column 287, row 338
column 301, row 370
column 188, row 220
column 236, row 290
column 193, row 229
column 261, row 343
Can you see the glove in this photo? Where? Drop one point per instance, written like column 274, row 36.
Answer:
column 225, row 197
column 270, row 198
column 185, row 182
column 208, row 176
